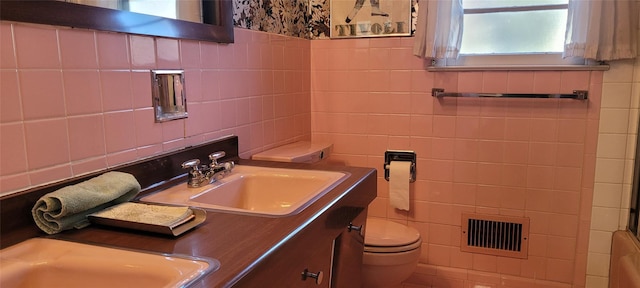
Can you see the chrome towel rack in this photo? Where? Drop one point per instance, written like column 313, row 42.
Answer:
column 577, row 94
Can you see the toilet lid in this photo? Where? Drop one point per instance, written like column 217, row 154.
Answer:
column 385, row 233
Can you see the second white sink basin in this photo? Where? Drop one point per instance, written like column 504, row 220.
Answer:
column 255, row 190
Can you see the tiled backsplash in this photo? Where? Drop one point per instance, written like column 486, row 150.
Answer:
column 76, row 101
column 17, row 223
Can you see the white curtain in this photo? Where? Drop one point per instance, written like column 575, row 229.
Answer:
column 438, row 29
column 602, row 29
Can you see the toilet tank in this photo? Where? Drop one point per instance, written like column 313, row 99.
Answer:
column 297, row 152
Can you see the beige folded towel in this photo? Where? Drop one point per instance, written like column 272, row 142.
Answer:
column 69, row 206
column 169, row 216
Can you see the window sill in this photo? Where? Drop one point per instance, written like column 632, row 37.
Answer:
column 520, row 68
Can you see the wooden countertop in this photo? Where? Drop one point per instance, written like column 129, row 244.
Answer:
column 240, row 241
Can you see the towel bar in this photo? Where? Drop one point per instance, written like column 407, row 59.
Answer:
column 577, row 94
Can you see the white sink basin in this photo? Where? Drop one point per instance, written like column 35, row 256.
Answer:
column 255, row 190
column 44, row 262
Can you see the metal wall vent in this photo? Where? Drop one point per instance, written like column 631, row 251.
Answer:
column 495, row 235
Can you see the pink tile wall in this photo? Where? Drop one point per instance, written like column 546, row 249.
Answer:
column 80, row 102
column 75, row 101
column 520, row 157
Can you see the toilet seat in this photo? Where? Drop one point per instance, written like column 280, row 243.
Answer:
column 384, row 236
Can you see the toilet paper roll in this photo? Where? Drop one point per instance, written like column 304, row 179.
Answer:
column 399, row 178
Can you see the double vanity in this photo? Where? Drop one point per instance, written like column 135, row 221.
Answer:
column 285, row 224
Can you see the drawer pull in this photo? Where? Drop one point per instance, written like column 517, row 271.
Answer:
column 318, row 276
column 352, row 227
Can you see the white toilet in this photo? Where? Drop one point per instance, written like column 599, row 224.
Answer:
column 391, row 253
column 391, row 249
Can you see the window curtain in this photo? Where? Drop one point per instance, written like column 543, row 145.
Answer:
column 438, row 29
column 602, row 29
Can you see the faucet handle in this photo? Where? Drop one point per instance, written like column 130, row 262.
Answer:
column 215, row 156
column 191, row 164
column 195, row 176
column 228, row 166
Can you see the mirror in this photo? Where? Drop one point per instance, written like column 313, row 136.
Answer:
column 169, row 98
column 217, row 16
column 189, row 10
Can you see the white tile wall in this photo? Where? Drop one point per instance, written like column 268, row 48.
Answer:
column 609, row 170
column 606, row 221
column 614, row 165
column 601, row 241
column 614, row 120
column 607, row 194
column 620, row 72
column 598, row 264
column 631, row 141
column 625, row 199
column 634, row 89
column 628, row 168
column 597, row 281
column 612, row 146
column 615, row 95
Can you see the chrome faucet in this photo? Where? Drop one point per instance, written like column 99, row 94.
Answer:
column 212, row 173
column 218, row 170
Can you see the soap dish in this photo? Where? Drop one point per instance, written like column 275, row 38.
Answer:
column 169, row 220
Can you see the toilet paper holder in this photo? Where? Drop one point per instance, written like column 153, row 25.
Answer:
column 398, row 155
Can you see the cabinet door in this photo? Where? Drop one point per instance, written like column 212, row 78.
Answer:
column 318, row 263
column 347, row 261
column 286, row 267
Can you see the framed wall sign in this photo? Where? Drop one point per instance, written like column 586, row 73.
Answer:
column 370, row 18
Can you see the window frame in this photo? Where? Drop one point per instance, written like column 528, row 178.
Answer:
column 516, row 61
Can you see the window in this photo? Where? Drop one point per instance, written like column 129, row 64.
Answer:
column 512, row 33
column 513, row 26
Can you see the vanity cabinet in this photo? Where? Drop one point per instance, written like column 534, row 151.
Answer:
column 326, row 254
column 253, row 251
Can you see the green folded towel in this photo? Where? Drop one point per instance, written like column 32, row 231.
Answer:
column 69, row 206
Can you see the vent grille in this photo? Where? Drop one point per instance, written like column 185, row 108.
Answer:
column 495, row 235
